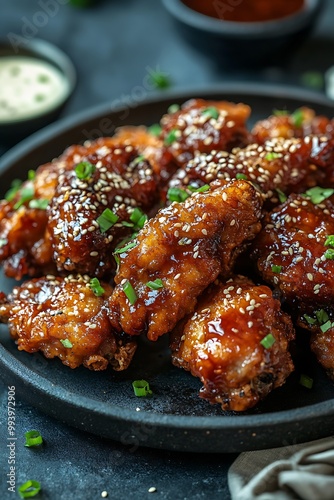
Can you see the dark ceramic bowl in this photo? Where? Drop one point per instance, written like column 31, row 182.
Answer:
column 12, row 131
column 245, row 44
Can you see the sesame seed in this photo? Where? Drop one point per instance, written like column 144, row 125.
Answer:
column 152, row 489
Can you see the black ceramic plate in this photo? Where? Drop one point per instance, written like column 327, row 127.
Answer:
column 174, row 417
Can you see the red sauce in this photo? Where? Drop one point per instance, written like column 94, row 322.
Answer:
column 246, row 10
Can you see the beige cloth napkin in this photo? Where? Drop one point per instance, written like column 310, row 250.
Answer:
column 303, row 472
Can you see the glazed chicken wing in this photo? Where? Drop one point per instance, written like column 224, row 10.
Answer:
column 292, row 249
column 237, row 343
column 299, row 124
column 321, row 325
column 149, row 146
column 287, row 165
column 178, row 254
column 89, row 215
column 200, row 126
column 24, row 241
column 64, row 318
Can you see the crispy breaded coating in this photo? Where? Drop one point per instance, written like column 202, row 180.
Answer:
column 221, row 344
column 62, row 317
column 200, row 126
column 291, row 250
column 185, row 247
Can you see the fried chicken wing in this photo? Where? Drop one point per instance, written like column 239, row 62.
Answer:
column 179, row 253
column 119, row 181
column 321, row 325
column 299, row 124
column 221, row 344
column 62, row 317
column 200, row 126
column 149, row 146
column 24, row 241
column 287, row 165
column 292, row 253
column 322, row 345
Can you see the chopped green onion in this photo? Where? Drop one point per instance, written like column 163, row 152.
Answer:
column 329, row 241
column 329, row 254
column 125, row 248
column 155, row 129
column 171, row 136
column 281, row 196
column 29, row 489
column 106, row 220
column 31, row 175
column 310, row 320
column 159, row 80
column 272, row 156
column 84, row 170
column 139, row 159
column 326, row 326
column 297, row 118
column 125, row 223
column 280, row 112
column 321, row 316
column 306, row 381
column 212, row 112
column 33, row 438
column 242, row 177
column 276, row 269
column 130, row 292
column 41, row 203
column 201, row 189
column 3, row 242
column 141, row 388
column 156, row 284
column 14, row 188
column 138, row 218
column 313, row 79
column 173, row 108
column 318, row 194
column 96, row 287
column 177, row 194
column 118, row 261
column 27, row 193
column 268, row 341
column 66, row 343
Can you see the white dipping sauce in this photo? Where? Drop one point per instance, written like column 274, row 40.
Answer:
column 29, row 87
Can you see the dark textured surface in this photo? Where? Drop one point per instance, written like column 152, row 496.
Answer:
column 111, row 46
